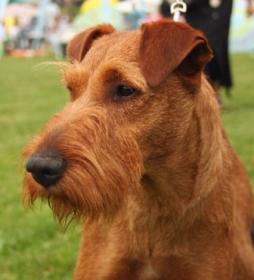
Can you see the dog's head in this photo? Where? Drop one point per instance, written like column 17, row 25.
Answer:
column 132, row 96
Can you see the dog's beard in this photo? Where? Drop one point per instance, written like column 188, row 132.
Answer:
column 103, row 166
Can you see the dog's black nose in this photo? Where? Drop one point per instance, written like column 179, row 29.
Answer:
column 46, row 169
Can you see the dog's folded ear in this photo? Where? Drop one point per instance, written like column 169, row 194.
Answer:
column 167, row 46
column 81, row 43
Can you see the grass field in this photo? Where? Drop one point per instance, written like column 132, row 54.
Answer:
column 32, row 245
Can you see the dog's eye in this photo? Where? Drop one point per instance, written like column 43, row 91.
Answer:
column 124, row 92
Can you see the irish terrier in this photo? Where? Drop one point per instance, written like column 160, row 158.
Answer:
column 140, row 156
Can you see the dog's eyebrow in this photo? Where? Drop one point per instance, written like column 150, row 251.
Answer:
column 75, row 76
column 128, row 73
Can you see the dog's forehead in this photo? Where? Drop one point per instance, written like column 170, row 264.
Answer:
column 122, row 46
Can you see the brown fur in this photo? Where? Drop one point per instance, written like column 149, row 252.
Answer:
column 162, row 191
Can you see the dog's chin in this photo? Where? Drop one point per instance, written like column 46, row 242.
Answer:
column 69, row 201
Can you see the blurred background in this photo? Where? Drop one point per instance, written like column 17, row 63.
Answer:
column 32, row 245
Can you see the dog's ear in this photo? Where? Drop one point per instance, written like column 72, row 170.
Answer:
column 81, row 43
column 167, row 46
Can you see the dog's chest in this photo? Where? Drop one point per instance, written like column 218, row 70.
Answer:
column 157, row 269
column 135, row 270
column 148, row 272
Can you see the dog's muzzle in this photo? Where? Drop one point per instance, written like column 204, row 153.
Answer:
column 46, row 169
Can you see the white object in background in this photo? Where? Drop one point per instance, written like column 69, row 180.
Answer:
column 177, row 8
column 3, row 5
column 214, row 3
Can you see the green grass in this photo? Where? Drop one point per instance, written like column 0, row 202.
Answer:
column 32, row 245
column 238, row 114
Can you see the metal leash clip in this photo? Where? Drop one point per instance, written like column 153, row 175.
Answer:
column 177, row 8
